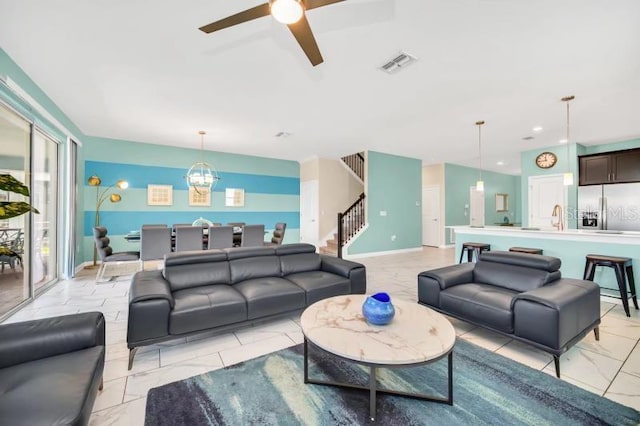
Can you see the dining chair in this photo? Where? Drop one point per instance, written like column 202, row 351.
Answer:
column 155, row 242
column 188, row 238
column 220, row 237
column 106, row 253
column 278, row 233
column 237, row 236
column 175, row 225
column 154, row 225
column 252, row 236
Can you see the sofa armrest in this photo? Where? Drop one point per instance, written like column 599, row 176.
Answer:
column 557, row 314
column 150, row 285
column 32, row 340
column 451, row 275
column 561, row 293
column 150, row 304
column 354, row 271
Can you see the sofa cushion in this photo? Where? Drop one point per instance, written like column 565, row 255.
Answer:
column 270, row 295
column 303, row 262
column 480, row 303
column 254, row 267
column 206, row 307
column 57, row 390
column 196, row 268
column 320, row 285
column 512, row 277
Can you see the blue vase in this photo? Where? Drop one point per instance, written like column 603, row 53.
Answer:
column 378, row 309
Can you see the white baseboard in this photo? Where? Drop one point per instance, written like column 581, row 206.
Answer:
column 81, row 266
column 447, row 246
column 381, row 253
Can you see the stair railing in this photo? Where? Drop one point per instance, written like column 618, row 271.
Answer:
column 350, row 222
column 356, row 163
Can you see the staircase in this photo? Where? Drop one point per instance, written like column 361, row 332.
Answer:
column 352, row 219
column 332, row 247
column 356, row 163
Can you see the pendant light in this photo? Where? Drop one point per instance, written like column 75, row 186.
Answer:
column 480, row 182
column 202, row 177
column 568, row 176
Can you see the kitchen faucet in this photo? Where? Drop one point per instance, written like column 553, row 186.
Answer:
column 557, row 211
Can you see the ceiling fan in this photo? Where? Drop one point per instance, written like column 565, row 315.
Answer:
column 289, row 12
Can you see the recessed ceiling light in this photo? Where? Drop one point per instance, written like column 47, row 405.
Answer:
column 500, row 163
column 537, row 129
column 562, row 141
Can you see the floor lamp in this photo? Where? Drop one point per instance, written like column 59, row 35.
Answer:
column 102, row 194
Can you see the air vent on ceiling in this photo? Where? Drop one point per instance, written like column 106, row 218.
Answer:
column 282, row 135
column 401, row 60
column 528, row 138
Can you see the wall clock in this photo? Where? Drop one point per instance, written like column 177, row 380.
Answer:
column 546, row 160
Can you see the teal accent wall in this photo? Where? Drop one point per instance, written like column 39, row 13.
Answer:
column 459, row 179
column 10, row 69
column 272, row 189
column 394, row 186
column 597, row 149
column 565, row 162
column 529, row 168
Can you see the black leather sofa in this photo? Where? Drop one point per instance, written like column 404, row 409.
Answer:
column 51, row 369
column 222, row 289
column 518, row 295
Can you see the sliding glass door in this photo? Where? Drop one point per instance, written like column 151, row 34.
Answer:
column 15, row 136
column 29, row 243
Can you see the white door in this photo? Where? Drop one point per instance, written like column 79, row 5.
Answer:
column 476, row 213
column 309, row 206
column 544, row 193
column 431, row 216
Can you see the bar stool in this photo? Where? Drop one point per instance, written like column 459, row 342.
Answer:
column 471, row 248
column 622, row 266
column 526, row 250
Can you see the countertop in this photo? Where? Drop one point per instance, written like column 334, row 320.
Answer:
column 624, row 237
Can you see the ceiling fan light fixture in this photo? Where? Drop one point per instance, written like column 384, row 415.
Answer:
column 287, row 11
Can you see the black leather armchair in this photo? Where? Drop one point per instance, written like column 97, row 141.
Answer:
column 51, row 369
column 519, row 295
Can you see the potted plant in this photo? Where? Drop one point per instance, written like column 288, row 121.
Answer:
column 9, row 209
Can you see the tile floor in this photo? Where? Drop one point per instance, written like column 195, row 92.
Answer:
column 610, row 367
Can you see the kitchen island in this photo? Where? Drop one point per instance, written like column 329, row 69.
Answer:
column 570, row 245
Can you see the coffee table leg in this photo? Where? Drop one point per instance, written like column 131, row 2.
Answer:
column 450, row 368
column 372, row 393
column 306, row 361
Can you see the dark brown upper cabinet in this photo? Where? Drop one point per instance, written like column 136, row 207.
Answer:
column 610, row 167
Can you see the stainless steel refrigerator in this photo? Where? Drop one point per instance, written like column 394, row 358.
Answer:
column 613, row 207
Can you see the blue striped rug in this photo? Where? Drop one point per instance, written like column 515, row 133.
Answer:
column 488, row 389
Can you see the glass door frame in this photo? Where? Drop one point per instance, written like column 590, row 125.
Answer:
column 58, row 222
column 29, row 224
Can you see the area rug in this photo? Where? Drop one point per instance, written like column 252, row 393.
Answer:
column 488, row 389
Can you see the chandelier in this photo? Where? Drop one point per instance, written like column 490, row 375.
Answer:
column 202, row 177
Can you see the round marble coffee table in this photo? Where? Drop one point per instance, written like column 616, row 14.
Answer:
column 416, row 336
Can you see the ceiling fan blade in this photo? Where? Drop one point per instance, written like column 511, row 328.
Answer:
column 238, row 18
column 313, row 4
column 302, row 32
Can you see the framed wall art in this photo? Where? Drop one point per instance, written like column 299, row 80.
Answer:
column 160, row 195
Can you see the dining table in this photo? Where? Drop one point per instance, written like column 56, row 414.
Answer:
column 134, row 236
